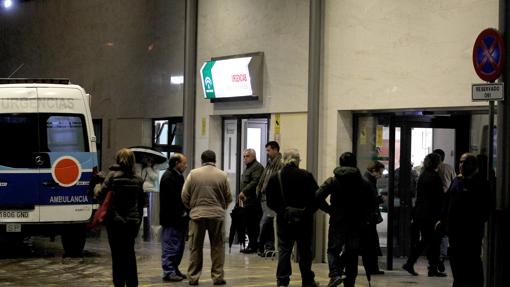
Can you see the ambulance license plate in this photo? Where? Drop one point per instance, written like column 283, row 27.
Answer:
column 13, row 227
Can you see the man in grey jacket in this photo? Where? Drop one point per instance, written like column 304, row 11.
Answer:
column 206, row 193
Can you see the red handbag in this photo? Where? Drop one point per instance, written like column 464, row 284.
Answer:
column 102, row 212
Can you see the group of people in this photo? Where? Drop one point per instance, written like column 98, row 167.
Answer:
column 291, row 195
column 450, row 214
column 282, row 190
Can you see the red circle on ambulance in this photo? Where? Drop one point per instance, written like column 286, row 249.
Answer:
column 66, row 171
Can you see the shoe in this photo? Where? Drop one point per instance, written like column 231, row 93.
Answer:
column 193, row 282
column 182, row 275
column 220, row 282
column 313, row 284
column 377, row 272
column 440, row 266
column 409, row 268
column 335, row 281
column 435, row 273
column 172, row 278
column 248, row 250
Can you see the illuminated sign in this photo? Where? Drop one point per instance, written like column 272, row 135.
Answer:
column 230, row 78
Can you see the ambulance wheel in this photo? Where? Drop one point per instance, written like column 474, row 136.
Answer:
column 73, row 240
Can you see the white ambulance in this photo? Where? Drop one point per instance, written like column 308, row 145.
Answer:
column 47, row 156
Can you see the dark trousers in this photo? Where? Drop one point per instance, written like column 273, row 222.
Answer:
column 370, row 248
column 346, row 243
column 466, row 263
column 172, row 248
column 253, row 216
column 266, row 237
column 121, row 238
column 430, row 240
column 287, row 236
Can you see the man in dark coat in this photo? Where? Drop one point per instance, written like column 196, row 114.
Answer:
column 291, row 194
column 173, row 217
column 426, row 214
column 468, row 207
column 371, row 248
column 351, row 206
column 248, row 196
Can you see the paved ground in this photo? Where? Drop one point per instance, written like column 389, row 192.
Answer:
column 40, row 263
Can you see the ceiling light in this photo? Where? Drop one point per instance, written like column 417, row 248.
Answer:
column 7, row 3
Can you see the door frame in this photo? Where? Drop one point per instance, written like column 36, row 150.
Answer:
column 406, row 120
column 238, row 147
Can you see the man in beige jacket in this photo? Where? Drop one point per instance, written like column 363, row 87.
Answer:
column 206, row 193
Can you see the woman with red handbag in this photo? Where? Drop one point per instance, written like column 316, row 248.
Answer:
column 124, row 216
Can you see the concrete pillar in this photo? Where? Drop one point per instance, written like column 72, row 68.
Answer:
column 314, row 82
column 190, row 68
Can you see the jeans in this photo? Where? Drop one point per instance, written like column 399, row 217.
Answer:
column 172, row 249
column 347, row 243
column 266, row 237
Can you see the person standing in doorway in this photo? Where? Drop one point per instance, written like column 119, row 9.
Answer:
column 351, row 205
column 248, row 196
column 371, row 248
column 468, row 207
column 124, row 216
column 447, row 174
column 173, row 217
column 206, row 193
column 426, row 214
column 266, row 237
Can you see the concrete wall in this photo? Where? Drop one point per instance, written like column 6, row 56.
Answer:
column 122, row 52
column 277, row 28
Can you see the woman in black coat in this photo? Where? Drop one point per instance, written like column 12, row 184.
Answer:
column 426, row 215
column 124, row 217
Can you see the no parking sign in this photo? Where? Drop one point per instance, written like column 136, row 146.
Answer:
column 489, row 55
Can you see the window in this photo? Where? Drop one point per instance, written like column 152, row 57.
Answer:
column 65, row 134
column 19, row 140
column 167, row 135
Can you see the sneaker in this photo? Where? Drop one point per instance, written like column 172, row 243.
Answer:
column 409, row 268
column 435, row 273
column 220, row 282
column 193, row 282
column 172, row 278
column 335, row 281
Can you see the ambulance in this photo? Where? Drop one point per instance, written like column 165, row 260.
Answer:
column 47, row 157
